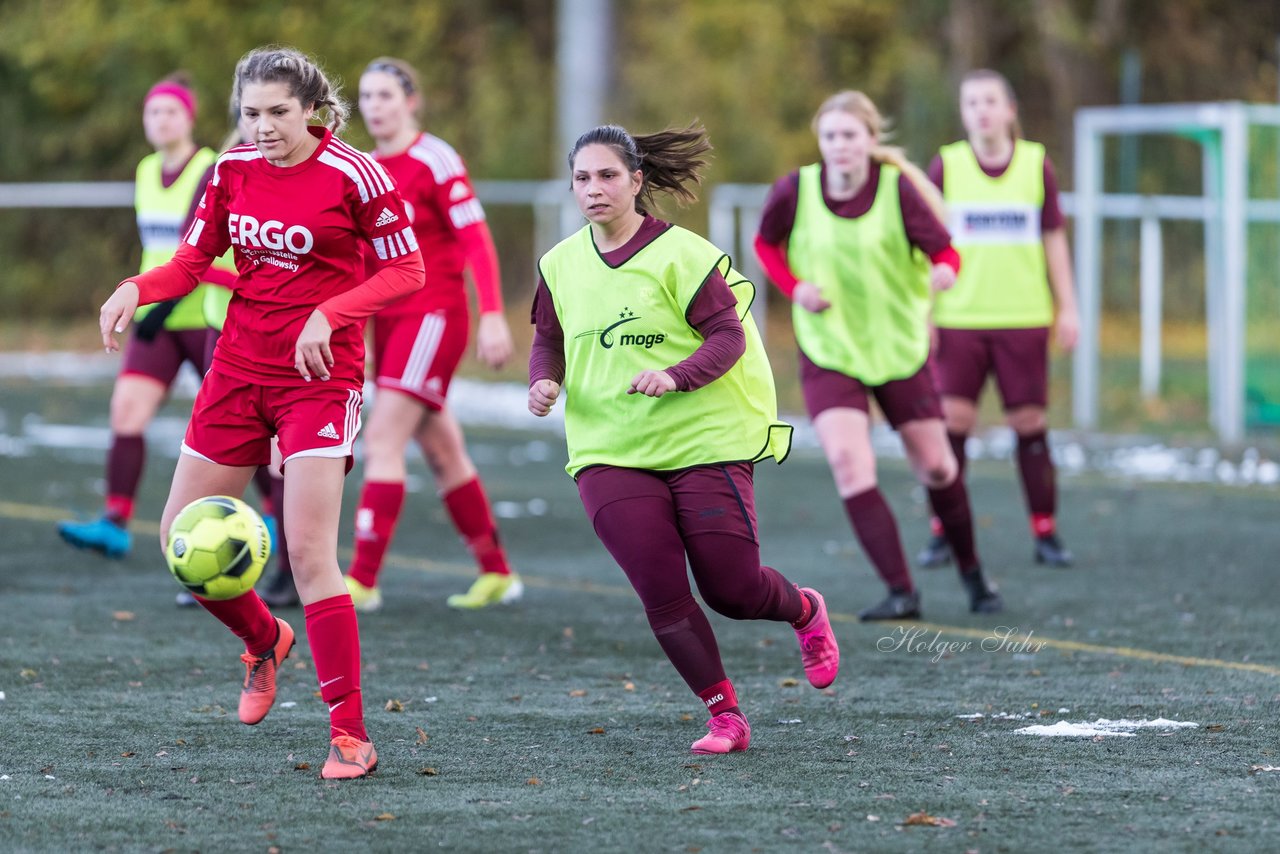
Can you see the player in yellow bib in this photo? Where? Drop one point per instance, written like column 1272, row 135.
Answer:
column 855, row 241
column 670, row 402
column 165, row 335
column 1002, row 198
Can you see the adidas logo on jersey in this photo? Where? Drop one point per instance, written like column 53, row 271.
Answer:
column 328, row 432
column 386, row 218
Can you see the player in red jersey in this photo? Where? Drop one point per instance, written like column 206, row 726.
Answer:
column 1016, row 286
column 419, row 341
column 299, row 207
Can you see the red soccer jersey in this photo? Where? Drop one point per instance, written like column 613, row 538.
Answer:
column 433, row 181
column 298, row 234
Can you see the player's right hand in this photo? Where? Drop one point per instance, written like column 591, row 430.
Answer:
column 116, row 313
column 810, row 298
column 542, row 396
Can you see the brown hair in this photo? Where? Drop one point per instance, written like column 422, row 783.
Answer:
column 863, row 108
column 304, row 78
column 668, row 160
column 404, row 73
column 979, row 74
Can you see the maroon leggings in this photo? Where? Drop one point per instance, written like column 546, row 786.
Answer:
column 650, row 521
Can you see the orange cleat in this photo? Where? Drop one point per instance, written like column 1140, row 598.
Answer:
column 260, row 676
column 349, row 758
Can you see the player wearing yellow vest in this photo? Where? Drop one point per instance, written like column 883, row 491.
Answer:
column 670, row 401
column 165, row 335
column 850, row 241
column 1002, row 197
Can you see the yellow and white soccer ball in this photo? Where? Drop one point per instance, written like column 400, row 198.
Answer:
column 218, row 547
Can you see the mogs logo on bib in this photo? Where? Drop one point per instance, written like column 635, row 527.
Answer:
column 624, row 339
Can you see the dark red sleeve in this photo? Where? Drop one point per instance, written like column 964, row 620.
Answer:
column 546, row 358
column 1051, row 216
column 923, row 228
column 935, row 171
column 779, row 213
column 714, row 313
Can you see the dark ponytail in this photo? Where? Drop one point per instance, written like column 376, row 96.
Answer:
column 668, row 160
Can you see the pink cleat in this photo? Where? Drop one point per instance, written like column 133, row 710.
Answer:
column 729, row 732
column 818, row 649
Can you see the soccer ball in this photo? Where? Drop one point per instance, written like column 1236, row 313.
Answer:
column 218, row 547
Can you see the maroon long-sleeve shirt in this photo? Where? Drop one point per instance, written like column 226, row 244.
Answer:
column 713, row 313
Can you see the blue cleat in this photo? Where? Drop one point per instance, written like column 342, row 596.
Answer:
column 101, row 535
column 271, row 530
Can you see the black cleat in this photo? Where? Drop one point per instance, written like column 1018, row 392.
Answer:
column 1051, row 552
column 280, row 591
column 983, row 598
column 936, row 554
column 896, row 606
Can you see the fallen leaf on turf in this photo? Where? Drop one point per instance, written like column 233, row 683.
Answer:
column 629, row 686
column 422, row 736
column 577, row 692
column 422, row 665
column 1256, row 769
column 533, row 781
column 1214, row 728
column 394, row 706
column 122, row 616
column 568, row 631
column 923, row 818
column 685, row 716
column 871, row 817
column 27, row 673
column 302, row 766
column 789, row 682
column 128, row 753
column 386, row 816
column 427, row 772
column 689, row 809
column 596, row 731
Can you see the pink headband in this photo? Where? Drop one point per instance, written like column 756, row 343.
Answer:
column 176, row 90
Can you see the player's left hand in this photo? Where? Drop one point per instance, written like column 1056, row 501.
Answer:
column 942, row 277
column 493, row 340
column 116, row 313
column 1067, row 328
column 311, row 355
column 652, row 383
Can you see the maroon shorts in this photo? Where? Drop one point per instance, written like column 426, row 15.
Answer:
column 233, row 421
column 912, row 398
column 718, row 498
column 417, row 354
column 162, row 356
column 1018, row 357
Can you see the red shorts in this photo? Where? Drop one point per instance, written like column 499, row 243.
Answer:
column 417, row 354
column 233, row 421
column 913, row 398
column 1018, row 357
column 162, row 356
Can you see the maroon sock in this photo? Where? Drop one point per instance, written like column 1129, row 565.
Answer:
column 1035, row 464
column 733, row 583
column 334, row 637
column 958, row 442
column 125, row 460
column 283, row 566
column 468, row 507
column 376, row 517
column 262, row 480
column 951, row 505
column 808, row 608
column 685, row 635
column 248, row 618
column 720, row 698
column 877, row 531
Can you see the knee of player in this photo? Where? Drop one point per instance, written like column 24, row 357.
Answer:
column 1027, row 421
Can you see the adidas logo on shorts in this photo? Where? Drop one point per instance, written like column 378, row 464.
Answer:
column 328, row 432
column 386, row 218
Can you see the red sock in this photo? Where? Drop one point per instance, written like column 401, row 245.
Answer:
column 877, row 530
column 124, row 471
column 468, row 506
column 1043, row 524
column 334, row 637
column 376, row 517
column 248, row 618
column 806, row 610
column 719, row 698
